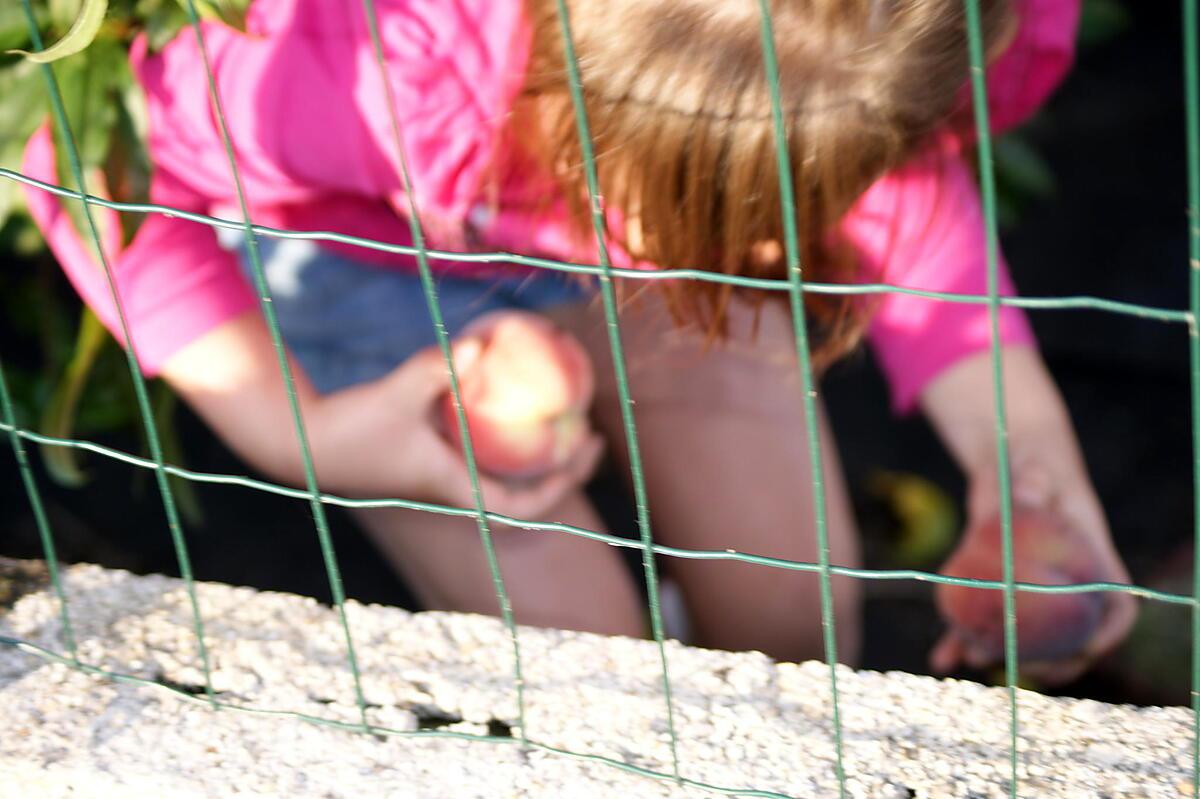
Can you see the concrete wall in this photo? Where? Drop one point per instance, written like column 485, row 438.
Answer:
column 742, row 721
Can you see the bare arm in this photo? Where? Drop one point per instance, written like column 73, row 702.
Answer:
column 231, row 379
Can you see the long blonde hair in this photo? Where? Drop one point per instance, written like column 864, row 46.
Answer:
column 680, row 112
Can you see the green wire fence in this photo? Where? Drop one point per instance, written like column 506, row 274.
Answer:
column 795, row 286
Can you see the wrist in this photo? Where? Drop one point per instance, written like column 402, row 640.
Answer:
column 960, row 404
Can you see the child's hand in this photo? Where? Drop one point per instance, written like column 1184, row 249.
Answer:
column 1058, row 635
column 1048, row 478
column 383, row 439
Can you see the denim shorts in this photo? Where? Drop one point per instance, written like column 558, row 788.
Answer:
column 348, row 322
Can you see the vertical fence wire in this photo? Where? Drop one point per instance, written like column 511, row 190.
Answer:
column 1192, row 131
column 39, row 513
column 443, row 339
column 987, row 182
column 135, row 372
column 808, row 385
column 611, row 317
column 268, row 310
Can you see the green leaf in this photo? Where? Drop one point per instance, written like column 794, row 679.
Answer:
column 26, row 239
column 90, row 87
column 8, row 199
column 81, row 34
column 24, row 105
column 162, row 23
column 10, row 156
column 14, row 27
column 58, row 419
column 127, row 168
column 20, row 113
column 63, row 13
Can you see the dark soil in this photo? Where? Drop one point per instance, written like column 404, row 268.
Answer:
column 1115, row 228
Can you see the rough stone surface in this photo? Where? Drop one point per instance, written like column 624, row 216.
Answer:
column 743, row 722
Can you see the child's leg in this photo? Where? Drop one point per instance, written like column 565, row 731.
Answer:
column 552, row 579
column 724, row 445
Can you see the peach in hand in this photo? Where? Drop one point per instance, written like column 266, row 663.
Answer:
column 1050, row 627
column 526, row 390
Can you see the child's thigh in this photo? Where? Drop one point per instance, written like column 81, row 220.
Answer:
column 724, row 445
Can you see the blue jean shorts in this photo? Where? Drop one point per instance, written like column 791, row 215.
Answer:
column 348, row 322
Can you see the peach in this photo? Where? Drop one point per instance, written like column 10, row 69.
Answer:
column 1049, row 626
column 526, row 395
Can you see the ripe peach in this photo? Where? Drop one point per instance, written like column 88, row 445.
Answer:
column 526, row 395
column 1049, row 626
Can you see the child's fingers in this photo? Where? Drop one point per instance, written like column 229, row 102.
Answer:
column 530, row 501
column 424, row 377
column 953, row 650
column 582, row 465
column 1122, row 612
column 946, row 654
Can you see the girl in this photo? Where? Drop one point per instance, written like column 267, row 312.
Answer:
column 873, row 93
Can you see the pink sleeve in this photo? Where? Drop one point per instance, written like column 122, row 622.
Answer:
column 1032, row 66
column 174, row 280
column 921, row 227
column 306, row 114
column 306, row 105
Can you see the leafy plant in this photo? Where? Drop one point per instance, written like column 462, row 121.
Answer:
column 80, row 378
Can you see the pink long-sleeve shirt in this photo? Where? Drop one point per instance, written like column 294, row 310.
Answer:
column 313, row 140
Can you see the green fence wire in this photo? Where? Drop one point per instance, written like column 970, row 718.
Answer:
column 807, row 385
column 1191, row 77
column 614, row 339
column 987, row 180
column 794, row 285
column 443, row 340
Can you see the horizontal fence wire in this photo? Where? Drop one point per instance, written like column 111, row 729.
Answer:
column 1066, row 303
column 264, row 486
column 794, row 285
